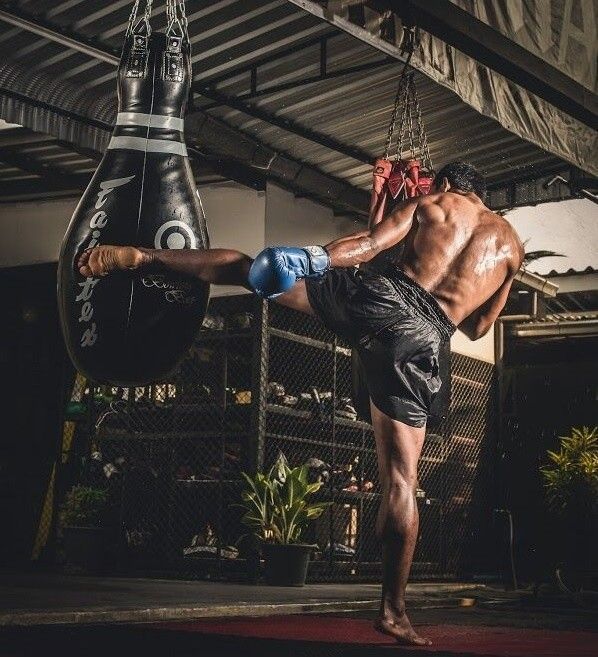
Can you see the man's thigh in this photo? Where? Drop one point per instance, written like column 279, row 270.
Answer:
column 297, row 299
column 398, row 446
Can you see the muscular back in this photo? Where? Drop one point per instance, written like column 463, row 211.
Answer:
column 461, row 252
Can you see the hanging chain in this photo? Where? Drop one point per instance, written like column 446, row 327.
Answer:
column 423, row 137
column 393, row 121
column 181, row 4
column 404, row 117
column 411, row 87
column 395, row 110
column 147, row 14
column 132, row 17
column 177, row 17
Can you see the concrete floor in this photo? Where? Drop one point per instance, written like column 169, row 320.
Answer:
column 41, row 598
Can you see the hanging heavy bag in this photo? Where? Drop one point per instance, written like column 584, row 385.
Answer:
column 124, row 329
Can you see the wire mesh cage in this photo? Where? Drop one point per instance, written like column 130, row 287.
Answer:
column 259, row 380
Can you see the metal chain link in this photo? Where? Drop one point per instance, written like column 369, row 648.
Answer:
column 405, row 93
column 147, row 14
column 132, row 17
column 393, row 121
column 395, row 110
column 410, row 93
column 423, row 136
column 184, row 21
column 177, row 17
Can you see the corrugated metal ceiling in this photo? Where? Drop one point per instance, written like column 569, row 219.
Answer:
column 229, row 35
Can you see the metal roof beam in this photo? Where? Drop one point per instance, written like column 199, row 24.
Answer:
column 54, row 178
column 460, row 29
column 296, row 175
column 288, row 125
column 25, row 190
column 21, row 137
column 64, row 37
column 301, row 82
column 268, row 59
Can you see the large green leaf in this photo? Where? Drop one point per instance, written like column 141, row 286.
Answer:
column 276, row 504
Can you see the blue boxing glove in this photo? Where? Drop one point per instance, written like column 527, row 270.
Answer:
column 277, row 268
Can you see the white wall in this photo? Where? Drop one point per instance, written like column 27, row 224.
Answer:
column 31, row 232
column 482, row 349
column 292, row 221
column 566, row 227
column 236, row 220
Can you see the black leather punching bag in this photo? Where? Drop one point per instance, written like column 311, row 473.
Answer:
column 130, row 329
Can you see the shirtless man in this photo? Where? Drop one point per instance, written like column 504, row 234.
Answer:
column 456, row 270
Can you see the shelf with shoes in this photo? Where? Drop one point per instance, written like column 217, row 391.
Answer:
column 268, row 379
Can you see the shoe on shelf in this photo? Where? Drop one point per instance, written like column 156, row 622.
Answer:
column 317, row 471
column 240, row 321
column 205, row 544
column 213, row 322
column 339, row 550
column 345, row 409
column 275, row 392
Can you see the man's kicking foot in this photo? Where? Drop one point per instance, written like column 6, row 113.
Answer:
column 102, row 260
column 219, row 266
column 399, row 627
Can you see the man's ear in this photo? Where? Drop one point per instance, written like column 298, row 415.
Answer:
column 445, row 185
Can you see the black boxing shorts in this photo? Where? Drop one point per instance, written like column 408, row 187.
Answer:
column 398, row 330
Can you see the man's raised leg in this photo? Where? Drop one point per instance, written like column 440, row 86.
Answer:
column 398, row 447
column 215, row 266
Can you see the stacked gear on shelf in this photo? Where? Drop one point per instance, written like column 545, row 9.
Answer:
column 260, row 379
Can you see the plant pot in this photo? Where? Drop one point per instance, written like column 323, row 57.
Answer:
column 286, row 565
column 86, row 547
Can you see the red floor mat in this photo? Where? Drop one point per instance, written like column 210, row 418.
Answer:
column 448, row 639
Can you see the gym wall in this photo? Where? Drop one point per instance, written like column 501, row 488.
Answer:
column 31, row 232
column 238, row 217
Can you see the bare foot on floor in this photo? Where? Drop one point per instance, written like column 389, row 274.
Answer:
column 400, row 628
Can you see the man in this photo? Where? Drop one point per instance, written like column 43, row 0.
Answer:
column 456, row 269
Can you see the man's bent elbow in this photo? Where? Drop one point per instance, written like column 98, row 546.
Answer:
column 480, row 331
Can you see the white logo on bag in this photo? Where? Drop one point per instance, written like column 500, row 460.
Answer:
column 96, row 223
column 181, row 294
column 177, row 234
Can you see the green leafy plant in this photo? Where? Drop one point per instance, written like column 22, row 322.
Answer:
column 571, row 479
column 84, row 507
column 276, row 504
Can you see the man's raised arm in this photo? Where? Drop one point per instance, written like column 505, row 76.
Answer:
column 277, row 268
column 363, row 246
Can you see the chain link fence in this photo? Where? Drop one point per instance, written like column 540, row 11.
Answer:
column 261, row 379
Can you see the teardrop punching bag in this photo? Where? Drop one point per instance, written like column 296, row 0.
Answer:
column 131, row 329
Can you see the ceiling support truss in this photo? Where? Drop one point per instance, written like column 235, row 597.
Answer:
column 302, row 178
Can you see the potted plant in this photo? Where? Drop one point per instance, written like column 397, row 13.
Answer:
column 85, row 538
column 571, row 482
column 277, row 510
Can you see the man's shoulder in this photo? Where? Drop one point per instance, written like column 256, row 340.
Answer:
column 509, row 236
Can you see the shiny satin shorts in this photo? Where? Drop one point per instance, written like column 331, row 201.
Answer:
column 398, row 330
